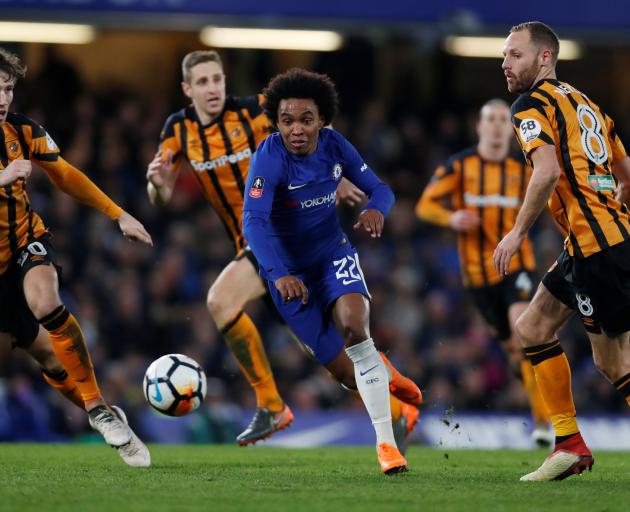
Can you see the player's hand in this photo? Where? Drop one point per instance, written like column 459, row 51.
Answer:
column 464, row 221
column 348, row 193
column 505, row 250
column 133, row 230
column 18, row 169
column 623, row 194
column 291, row 288
column 159, row 168
column 372, row 221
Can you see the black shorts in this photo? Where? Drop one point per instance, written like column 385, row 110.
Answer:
column 16, row 318
column 597, row 288
column 494, row 301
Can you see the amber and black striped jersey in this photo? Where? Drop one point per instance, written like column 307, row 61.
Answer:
column 493, row 190
column 219, row 154
column 22, row 138
column 583, row 202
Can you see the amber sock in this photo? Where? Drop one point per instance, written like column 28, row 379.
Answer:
column 396, row 407
column 553, row 376
column 244, row 341
column 623, row 385
column 62, row 382
column 69, row 346
column 537, row 404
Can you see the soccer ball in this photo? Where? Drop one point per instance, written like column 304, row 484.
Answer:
column 174, row 385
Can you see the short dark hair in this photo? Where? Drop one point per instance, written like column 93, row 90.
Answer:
column 198, row 57
column 302, row 84
column 11, row 64
column 541, row 35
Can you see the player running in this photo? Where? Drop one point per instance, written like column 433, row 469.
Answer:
column 312, row 270
column 576, row 155
column 29, row 281
column 217, row 135
column 485, row 187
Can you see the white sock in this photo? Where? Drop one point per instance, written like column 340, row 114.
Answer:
column 372, row 379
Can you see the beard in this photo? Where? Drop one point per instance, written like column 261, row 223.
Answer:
column 525, row 81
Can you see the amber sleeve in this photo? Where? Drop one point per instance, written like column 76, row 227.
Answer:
column 430, row 207
column 73, row 182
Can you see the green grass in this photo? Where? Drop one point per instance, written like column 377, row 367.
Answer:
column 90, row 478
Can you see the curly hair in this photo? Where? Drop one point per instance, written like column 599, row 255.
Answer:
column 301, row 84
column 11, row 64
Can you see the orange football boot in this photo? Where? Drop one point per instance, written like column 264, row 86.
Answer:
column 402, row 387
column 390, row 459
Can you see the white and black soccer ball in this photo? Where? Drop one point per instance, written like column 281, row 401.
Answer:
column 174, row 385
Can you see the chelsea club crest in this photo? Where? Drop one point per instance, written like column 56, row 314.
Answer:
column 337, row 171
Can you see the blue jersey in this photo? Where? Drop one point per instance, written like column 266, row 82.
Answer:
column 289, row 216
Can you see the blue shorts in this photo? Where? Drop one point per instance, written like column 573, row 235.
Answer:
column 312, row 322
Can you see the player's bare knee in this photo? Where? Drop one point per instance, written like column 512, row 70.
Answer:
column 42, row 306
column 219, row 306
column 530, row 331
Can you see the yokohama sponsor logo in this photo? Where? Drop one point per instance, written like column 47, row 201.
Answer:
column 318, row 201
column 490, row 200
column 221, row 160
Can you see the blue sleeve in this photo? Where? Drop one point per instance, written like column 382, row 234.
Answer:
column 359, row 173
column 259, row 191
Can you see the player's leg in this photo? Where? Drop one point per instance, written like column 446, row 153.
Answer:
column 238, row 284
column 21, row 329
column 612, row 358
column 604, row 307
column 39, row 286
column 404, row 415
column 542, row 433
column 41, row 289
column 536, row 329
column 53, row 371
column 350, row 314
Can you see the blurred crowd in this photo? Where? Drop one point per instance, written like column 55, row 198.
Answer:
column 136, row 303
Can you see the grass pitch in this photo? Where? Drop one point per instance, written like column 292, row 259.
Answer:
column 90, row 478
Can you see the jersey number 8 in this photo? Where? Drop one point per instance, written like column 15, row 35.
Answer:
column 591, row 135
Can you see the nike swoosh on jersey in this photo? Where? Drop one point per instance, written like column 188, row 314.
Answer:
column 368, row 370
column 295, row 187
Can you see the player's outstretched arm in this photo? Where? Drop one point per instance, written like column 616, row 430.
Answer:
column 18, row 169
column 77, row 185
column 162, row 174
column 132, row 229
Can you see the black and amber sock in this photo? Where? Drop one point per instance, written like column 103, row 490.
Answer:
column 245, row 343
column 623, row 385
column 553, row 377
column 71, row 350
column 62, row 382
